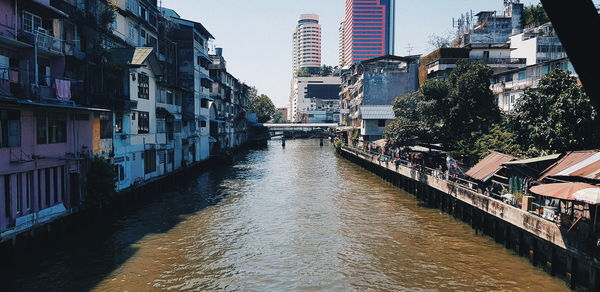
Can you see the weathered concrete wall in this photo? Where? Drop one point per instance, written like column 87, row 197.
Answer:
column 383, row 88
column 541, row 241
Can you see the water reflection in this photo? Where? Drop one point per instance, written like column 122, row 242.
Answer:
column 293, row 219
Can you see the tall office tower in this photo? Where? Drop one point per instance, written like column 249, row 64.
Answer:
column 307, row 43
column 368, row 30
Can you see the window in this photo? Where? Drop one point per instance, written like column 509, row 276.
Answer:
column 132, row 32
column 19, row 198
column 119, row 172
column 31, row 22
column 203, row 124
column 7, row 196
column 522, row 75
column 133, row 6
column 161, row 126
column 118, row 123
column 106, row 126
column 29, row 190
column 171, row 156
column 10, row 128
column 143, row 86
column 143, row 123
column 381, row 123
column 169, row 97
column 57, row 128
column 51, row 128
column 149, row 161
column 204, row 103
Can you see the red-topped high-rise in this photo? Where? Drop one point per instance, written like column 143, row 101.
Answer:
column 367, row 30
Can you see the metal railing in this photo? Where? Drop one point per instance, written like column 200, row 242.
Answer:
column 456, row 180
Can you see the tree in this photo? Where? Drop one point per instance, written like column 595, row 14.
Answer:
column 100, row 183
column 471, row 104
column 278, row 118
column 303, row 72
column 555, row 117
column 407, row 128
column 263, row 107
column 448, row 112
column 437, row 41
column 534, row 15
column 326, row 70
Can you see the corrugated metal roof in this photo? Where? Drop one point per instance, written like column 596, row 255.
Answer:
column 576, row 163
column 488, row 166
column 377, row 112
column 534, row 160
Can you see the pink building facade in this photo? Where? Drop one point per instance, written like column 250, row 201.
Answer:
column 45, row 136
column 367, row 31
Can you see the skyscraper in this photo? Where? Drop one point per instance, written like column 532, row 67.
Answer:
column 307, row 43
column 367, row 30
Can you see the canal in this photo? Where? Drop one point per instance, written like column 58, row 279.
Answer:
column 294, row 219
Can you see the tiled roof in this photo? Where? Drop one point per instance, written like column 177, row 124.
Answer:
column 488, row 166
column 377, row 112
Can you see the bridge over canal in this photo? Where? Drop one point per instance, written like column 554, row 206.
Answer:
column 300, row 130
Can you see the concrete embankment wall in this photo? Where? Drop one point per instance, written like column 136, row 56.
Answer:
column 542, row 241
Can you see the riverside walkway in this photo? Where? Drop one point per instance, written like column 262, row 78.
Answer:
column 547, row 244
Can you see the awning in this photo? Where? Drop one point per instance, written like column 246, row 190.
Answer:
column 163, row 113
column 380, row 142
column 573, row 191
column 211, row 139
column 217, row 121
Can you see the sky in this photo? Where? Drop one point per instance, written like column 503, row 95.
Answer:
column 256, row 35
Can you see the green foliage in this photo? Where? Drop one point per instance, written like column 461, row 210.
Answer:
column 555, row 117
column 471, row 104
column 278, row 118
column 479, row 145
column 326, row 70
column 263, row 107
column 303, row 72
column 534, row 15
column 446, row 112
column 100, row 182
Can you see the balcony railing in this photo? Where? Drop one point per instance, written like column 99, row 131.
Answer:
column 45, row 42
column 489, row 61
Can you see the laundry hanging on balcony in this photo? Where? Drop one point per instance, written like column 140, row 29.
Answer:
column 63, row 89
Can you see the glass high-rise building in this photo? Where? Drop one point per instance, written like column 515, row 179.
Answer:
column 367, row 30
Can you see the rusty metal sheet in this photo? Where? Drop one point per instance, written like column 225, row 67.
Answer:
column 488, row 166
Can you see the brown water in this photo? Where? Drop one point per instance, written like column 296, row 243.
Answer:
column 293, row 219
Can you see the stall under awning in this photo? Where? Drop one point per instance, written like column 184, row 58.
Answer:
column 163, row 113
column 572, row 191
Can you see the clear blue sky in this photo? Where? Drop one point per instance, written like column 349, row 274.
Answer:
column 256, row 35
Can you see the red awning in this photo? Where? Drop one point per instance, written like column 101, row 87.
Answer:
column 566, row 191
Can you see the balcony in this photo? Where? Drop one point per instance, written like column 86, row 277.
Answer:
column 9, row 82
column 531, row 82
column 45, row 42
column 489, row 61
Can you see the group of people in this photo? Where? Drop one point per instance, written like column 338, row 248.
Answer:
column 439, row 164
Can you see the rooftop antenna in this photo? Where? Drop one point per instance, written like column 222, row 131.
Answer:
column 409, row 48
